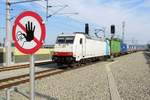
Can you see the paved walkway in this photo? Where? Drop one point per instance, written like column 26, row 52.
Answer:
column 24, row 63
column 7, row 74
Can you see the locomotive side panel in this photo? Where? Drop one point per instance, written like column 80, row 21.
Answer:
column 107, row 48
column 79, row 47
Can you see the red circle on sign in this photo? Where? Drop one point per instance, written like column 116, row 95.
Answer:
column 38, row 42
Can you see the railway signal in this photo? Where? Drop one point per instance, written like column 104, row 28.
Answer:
column 112, row 29
column 112, row 35
column 28, row 36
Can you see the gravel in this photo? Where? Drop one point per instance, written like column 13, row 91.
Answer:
column 132, row 75
column 87, row 83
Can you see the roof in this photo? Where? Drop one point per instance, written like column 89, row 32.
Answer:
column 66, row 34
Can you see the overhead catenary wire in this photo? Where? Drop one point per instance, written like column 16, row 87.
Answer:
column 25, row 1
column 57, row 11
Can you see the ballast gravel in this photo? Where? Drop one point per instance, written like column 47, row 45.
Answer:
column 87, row 83
column 132, row 75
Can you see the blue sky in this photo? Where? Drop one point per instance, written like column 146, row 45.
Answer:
column 98, row 13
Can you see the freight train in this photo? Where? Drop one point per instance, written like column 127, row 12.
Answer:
column 79, row 47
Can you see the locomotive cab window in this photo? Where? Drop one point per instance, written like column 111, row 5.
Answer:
column 65, row 40
column 60, row 40
column 69, row 40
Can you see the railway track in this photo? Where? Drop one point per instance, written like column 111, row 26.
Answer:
column 13, row 67
column 16, row 80
column 2, row 69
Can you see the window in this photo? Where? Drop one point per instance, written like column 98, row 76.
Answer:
column 81, row 41
column 60, row 40
column 65, row 39
column 69, row 39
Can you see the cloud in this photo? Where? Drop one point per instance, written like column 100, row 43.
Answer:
column 135, row 13
column 147, row 3
column 114, row 12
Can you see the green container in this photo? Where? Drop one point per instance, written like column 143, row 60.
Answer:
column 115, row 46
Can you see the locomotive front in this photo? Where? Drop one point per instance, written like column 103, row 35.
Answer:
column 63, row 50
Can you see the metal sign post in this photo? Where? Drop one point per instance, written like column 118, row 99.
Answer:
column 28, row 35
column 32, row 78
column 8, row 35
column 123, row 30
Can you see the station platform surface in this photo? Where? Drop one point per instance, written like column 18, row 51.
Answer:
column 24, row 63
column 10, row 73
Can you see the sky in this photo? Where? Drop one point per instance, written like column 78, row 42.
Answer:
column 98, row 13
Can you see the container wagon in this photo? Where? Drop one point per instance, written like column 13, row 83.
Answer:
column 123, row 48
column 115, row 47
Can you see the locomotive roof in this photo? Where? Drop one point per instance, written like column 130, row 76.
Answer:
column 69, row 34
column 87, row 36
column 66, row 34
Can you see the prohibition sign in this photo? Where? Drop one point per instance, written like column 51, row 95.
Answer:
column 28, row 32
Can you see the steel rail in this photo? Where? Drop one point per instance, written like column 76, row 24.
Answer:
column 16, row 80
column 15, row 67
